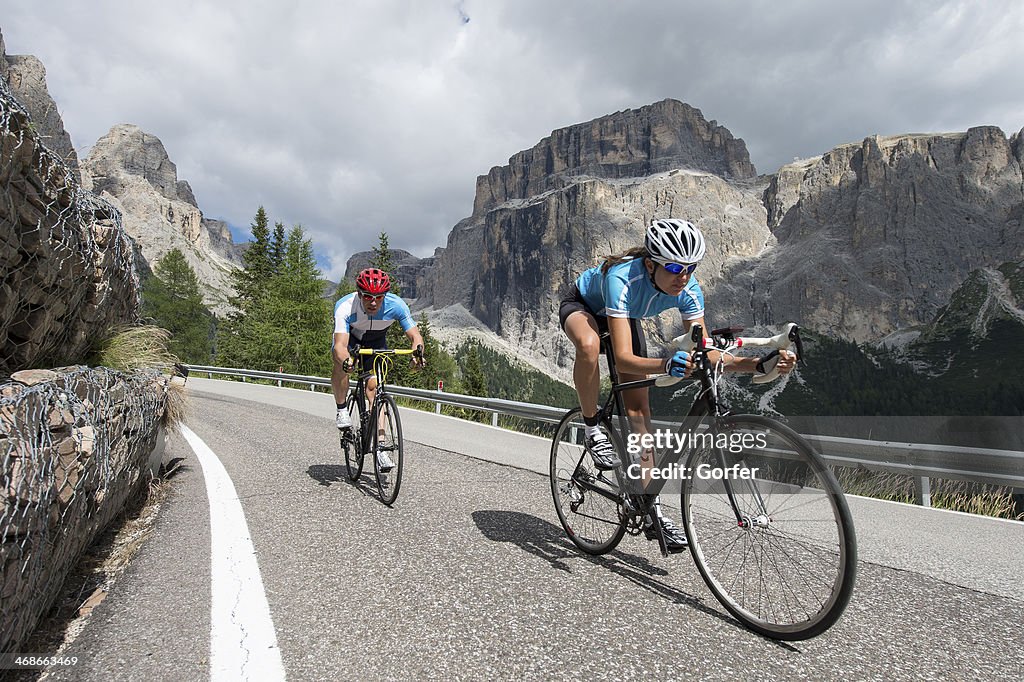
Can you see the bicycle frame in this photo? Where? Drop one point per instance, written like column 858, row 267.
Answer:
column 382, row 362
column 705, row 405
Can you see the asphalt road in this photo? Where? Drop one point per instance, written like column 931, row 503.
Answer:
column 470, row 576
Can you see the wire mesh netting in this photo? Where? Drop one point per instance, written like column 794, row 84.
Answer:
column 67, row 263
column 72, row 449
column 75, row 443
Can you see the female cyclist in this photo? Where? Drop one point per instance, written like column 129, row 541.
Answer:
column 613, row 296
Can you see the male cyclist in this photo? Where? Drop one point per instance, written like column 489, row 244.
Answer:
column 361, row 319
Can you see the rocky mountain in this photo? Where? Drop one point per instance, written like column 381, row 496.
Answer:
column 577, row 196
column 26, row 77
column 858, row 243
column 876, row 236
column 131, row 169
column 981, row 326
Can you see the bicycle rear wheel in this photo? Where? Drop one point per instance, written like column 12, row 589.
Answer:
column 586, row 500
column 389, row 444
column 769, row 528
column 352, row 442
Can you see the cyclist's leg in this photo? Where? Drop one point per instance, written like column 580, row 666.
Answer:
column 339, row 383
column 375, row 343
column 582, row 329
column 637, row 401
column 638, row 408
column 339, row 377
column 372, row 343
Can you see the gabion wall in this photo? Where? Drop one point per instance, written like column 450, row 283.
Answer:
column 75, row 443
column 66, row 263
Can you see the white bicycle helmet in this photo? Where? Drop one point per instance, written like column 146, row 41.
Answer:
column 674, row 241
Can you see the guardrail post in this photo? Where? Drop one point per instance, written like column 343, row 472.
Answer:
column 923, row 491
column 494, row 419
column 437, row 408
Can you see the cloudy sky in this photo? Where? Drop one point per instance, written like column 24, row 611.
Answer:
column 352, row 117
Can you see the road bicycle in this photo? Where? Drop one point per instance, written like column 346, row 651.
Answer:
column 377, row 427
column 767, row 524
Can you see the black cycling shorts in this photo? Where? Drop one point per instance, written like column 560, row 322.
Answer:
column 573, row 301
column 377, row 343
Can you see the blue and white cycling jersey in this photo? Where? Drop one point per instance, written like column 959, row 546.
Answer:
column 626, row 291
column 350, row 318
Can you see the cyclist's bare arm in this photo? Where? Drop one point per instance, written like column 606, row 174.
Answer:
column 341, row 347
column 783, row 362
column 416, row 341
column 622, row 344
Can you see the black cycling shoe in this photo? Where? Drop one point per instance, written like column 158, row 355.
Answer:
column 602, row 452
column 675, row 539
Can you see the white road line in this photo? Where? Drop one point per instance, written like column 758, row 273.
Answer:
column 243, row 643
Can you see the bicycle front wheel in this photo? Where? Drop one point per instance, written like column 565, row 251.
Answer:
column 769, row 528
column 586, row 500
column 388, row 449
column 352, row 442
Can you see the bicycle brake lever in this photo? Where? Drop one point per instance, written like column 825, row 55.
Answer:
column 794, row 336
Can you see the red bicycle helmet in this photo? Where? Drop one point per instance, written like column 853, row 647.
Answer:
column 373, row 281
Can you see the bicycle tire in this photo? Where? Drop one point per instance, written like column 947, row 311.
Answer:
column 591, row 520
column 788, row 569
column 352, row 440
column 388, row 483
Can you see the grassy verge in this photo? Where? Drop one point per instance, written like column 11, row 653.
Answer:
column 956, row 495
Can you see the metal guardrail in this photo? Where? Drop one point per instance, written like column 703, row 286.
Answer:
column 495, row 406
column 919, row 461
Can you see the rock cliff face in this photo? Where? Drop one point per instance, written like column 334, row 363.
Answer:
column 659, row 137
column 26, row 77
column 860, row 242
column 131, row 169
column 585, row 192
column 876, row 236
column 66, row 265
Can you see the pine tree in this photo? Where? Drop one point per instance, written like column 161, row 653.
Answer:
column 345, row 287
column 290, row 324
column 382, row 260
column 277, row 248
column 172, row 299
column 256, row 265
column 473, row 380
